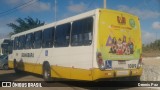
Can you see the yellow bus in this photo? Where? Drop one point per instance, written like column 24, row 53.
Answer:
column 94, row 45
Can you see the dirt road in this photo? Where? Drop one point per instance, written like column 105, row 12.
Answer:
column 151, row 67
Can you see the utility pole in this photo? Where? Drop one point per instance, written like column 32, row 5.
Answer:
column 55, row 10
column 104, row 4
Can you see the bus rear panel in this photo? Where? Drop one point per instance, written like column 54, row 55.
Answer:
column 119, row 45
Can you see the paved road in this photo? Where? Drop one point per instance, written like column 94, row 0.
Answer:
column 10, row 75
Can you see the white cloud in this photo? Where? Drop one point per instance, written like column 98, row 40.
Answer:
column 4, row 29
column 156, row 25
column 37, row 7
column 144, row 14
column 4, row 32
column 148, row 37
column 31, row 6
column 76, row 8
column 5, row 21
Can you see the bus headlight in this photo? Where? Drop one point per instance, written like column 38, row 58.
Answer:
column 100, row 61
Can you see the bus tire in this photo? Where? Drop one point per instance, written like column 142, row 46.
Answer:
column 46, row 72
column 16, row 67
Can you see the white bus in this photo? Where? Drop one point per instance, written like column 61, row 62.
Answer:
column 93, row 45
column 5, row 46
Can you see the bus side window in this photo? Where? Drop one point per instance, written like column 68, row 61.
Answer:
column 48, row 37
column 82, row 32
column 62, row 35
column 22, row 42
column 29, row 41
column 88, row 31
column 37, row 39
column 16, row 43
column 76, row 35
column 10, row 47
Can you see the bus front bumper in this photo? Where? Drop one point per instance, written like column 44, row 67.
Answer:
column 98, row 74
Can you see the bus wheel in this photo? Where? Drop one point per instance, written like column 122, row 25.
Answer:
column 15, row 67
column 46, row 72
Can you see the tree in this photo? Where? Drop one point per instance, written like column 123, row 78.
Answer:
column 24, row 24
column 152, row 46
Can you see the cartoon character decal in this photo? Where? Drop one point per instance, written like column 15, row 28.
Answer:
column 113, row 46
column 121, row 47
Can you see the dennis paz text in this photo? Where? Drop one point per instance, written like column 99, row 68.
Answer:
column 151, row 84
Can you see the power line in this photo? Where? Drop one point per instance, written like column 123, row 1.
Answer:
column 26, row 4
column 16, row 7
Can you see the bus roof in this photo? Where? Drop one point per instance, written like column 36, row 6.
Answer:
column 69, row 19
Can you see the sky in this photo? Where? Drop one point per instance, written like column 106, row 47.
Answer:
column 147, row 10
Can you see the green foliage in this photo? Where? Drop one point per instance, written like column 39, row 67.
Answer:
column 24, row 24
column 154, row 46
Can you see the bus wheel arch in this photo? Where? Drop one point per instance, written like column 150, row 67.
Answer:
column 46, row 71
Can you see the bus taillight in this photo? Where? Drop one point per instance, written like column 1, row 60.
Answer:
column 100, row 61
column 140, row 62
column 140, row 59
